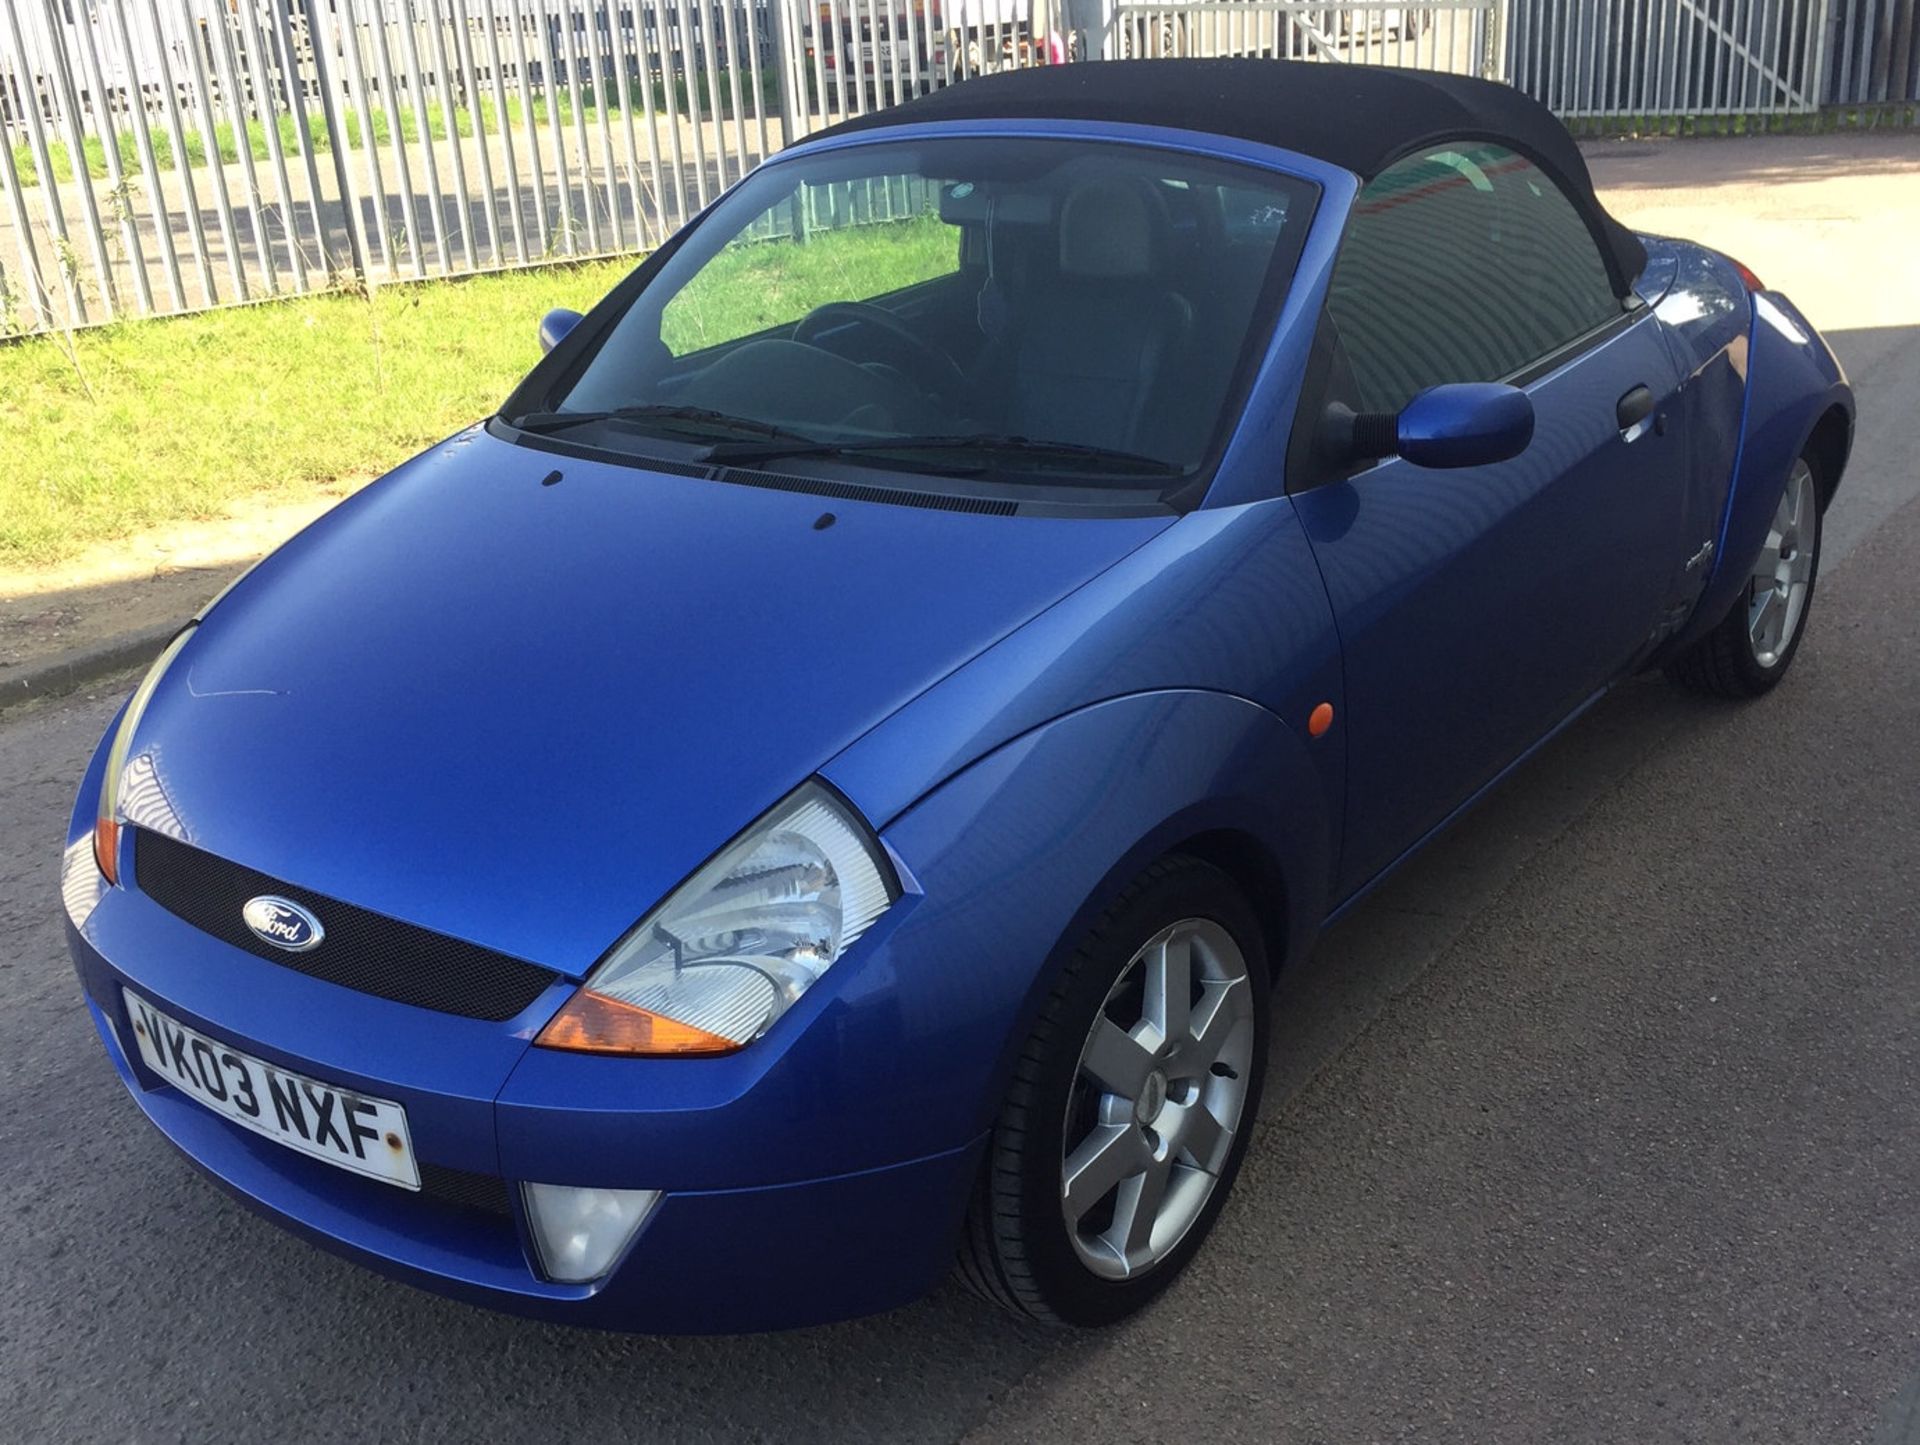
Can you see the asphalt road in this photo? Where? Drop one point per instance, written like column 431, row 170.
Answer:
column 1599, row 1123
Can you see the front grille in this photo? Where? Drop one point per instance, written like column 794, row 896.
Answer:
column 361, row 950
column 456, row 1188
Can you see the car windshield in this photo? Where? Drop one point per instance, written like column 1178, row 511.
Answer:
column 1015, row 310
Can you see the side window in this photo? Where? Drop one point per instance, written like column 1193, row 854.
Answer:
column 1463, row 263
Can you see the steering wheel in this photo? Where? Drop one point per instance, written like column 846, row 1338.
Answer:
column 939, row 372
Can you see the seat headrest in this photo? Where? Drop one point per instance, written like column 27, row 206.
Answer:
column 1107, row 229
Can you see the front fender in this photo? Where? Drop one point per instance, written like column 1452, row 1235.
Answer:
column 86, row 800
column 1793, row 380
column 1019, row 852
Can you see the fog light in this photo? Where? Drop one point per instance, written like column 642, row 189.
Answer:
column 580, row 1232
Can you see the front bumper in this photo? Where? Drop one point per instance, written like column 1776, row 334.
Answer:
column 715, row 1256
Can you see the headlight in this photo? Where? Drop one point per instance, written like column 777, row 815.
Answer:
column 735, row 945
column 106, row 825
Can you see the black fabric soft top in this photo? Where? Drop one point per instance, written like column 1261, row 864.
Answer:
column 1362, row 118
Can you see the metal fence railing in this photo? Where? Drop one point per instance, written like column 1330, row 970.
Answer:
column 170, row 155
column 1670, row 57
column 1875, row 57
column 846, row 57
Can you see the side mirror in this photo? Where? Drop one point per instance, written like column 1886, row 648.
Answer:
column 554, row 327
column 1463, row 424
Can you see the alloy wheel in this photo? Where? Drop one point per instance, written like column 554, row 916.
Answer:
column 1160, row 1091
column 1783, row 574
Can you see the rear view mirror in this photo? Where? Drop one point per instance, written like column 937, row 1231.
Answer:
column 554, row 327
column 1463, row 424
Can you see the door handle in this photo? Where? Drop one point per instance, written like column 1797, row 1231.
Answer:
column 1633, row 409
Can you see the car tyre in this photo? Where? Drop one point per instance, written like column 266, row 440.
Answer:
column 1190, row 1093
column 1750, row 649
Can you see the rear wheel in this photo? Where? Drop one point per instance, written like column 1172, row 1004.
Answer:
column 1131, row 1105
column 1750, row 649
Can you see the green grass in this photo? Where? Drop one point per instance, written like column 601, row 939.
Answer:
column 1885, row 115
column 751, row 287
column 151, row 422
column 409, row 121
column 190, row 414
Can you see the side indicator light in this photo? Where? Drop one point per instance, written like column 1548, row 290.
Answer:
column 106, row 848
column 593, row 1023
column 1319, row 720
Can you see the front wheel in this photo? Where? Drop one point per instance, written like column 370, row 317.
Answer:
column 1750, row 649
column 1131, row 1105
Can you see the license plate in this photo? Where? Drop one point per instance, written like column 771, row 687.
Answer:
column 354, row 1131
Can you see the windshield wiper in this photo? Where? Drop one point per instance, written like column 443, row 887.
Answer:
column 1094, row 458
column 549, row 421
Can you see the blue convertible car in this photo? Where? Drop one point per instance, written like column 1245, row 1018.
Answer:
column 822, row 781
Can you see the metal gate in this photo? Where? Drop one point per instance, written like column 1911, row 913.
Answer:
column 1447, row 35
column 1653, row 58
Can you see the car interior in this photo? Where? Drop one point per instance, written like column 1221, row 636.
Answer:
column 1096, row 304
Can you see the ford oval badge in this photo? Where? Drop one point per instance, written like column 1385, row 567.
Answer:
column 283, row 924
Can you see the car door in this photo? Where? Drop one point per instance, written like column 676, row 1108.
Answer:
column 1479, row 607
